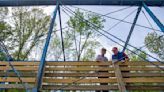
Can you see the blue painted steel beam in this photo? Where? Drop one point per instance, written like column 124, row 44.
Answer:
column 61, row 33
column 42, row 61
column 132, row 28
column 156, row 20
column 80, row 2
column 5, row 51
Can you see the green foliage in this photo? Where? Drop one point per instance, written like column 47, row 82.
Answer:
column 29, row 26
column 3, row 12
column 141, row 56
column 55, row 50
column 155, row 44
column 83, row 33
column 2, row 56
column 79, row 38
column 13, row 90
column 4, row 26
column 89, row 55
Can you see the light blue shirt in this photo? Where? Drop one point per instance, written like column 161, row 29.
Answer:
column 101, row 58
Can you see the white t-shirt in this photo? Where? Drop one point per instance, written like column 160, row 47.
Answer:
column 101, row 58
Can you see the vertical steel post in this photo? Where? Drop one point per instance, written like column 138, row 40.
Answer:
column 156, row 20
column 132, row 28
column 61, row 32
column 42, row 61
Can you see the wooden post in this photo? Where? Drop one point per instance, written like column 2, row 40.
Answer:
column 121, row 84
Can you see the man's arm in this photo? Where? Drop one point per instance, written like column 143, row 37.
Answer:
column 114, row 60
column 126, row 57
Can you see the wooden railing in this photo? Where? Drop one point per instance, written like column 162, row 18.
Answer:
column 27, row 71
column 87, row 75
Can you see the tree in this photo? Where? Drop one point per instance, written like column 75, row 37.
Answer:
column 4, row 26
column 141, row 56
column 5, row 33
column 29, row 27
column 55, row 49
column 83, row 32
column 2, row 56
column 79, row 38
column 155, row 44
column 89, row 55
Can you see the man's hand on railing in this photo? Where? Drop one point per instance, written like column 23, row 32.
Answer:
column 127, row 59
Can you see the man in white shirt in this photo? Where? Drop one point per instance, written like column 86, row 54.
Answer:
column 102, row 58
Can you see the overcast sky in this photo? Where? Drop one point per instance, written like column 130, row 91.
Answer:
column 121, row 30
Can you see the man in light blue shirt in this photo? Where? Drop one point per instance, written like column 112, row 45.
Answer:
column 102, row 58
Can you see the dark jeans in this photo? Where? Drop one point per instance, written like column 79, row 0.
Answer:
column 102, row 83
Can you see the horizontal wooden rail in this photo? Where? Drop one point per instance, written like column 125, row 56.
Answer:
column 102, row 69
column 18, row 86
column 103, row 75
column 22, row 68
column 20, row 63
column 79, row 69
column 79, row 75
column 79, row 63
column 27, row 72
column 92, row 73
column 94, row 63
column 70, row 80
column 83, row 87
column 100, row 87
column 23, row 74
column 15, row 79
column 105, row 80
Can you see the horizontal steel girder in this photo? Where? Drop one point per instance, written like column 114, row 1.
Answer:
column 81, row 2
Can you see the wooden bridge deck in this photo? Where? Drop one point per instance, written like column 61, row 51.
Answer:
column 84, row 75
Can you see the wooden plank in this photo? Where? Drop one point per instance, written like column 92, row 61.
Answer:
column 100, row 87
column 17, row 86
column 79, row 63
column 82, row 68
column 145, row 74
column 146, row 88
column 140, row 63
column 74, row 63
column 23, row 68
column 12, row 74
column 121, row 84
column 79, row 69
column 83, row 87
column 139, row 69
column 79, row 75
column 71, row 80
column 104, row 74
column 106, row 80
column 145, row 80
column 20, row 63
column 101, row 68
column 15, row 79
column 94, row 63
